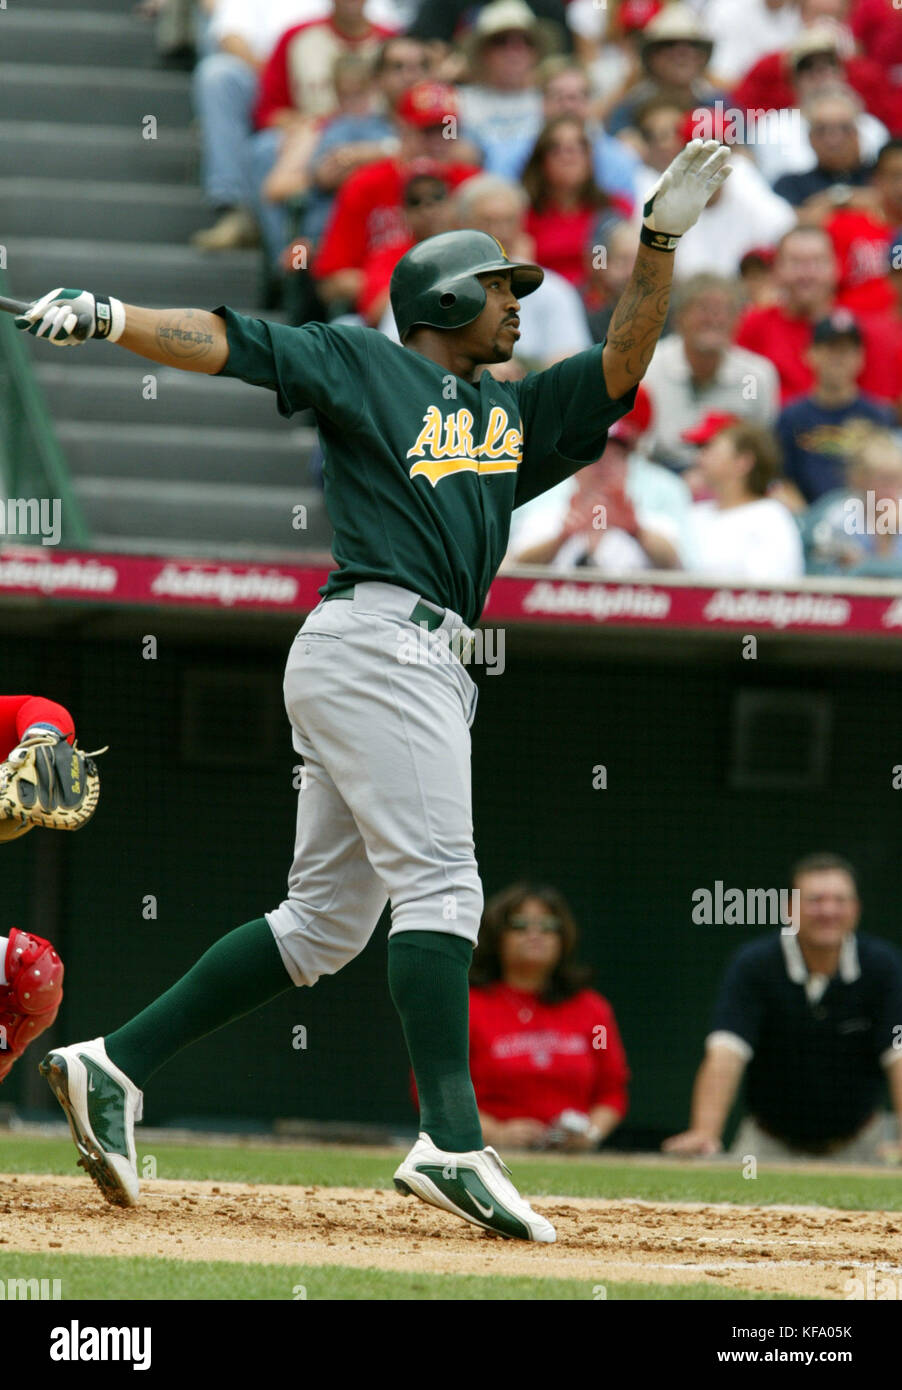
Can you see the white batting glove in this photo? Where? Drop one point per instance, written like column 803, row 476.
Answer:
column 69, row 317
column 681, row 194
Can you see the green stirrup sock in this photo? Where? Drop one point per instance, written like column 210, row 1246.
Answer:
column 428, row 979
column 240, row 972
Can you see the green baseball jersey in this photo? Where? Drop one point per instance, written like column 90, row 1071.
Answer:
column 422, row 469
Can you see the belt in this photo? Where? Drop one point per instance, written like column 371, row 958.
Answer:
column 419, row 614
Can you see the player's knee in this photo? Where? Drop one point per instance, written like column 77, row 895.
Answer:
column 457, row 909
column 308, row 943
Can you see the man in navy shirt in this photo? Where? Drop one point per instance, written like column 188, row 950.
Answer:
column 817, row 432
column 813, row 1018
column 832, row 117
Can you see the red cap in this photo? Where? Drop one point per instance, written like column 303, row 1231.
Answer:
column 641, row 413
column 635, row 14
column 762, row 255
column 631, row 426
column 427, row 104
column 708, row 426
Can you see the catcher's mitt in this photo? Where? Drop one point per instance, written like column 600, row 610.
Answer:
column 50, row 782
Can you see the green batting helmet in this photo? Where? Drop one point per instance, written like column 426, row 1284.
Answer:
column 435, row 282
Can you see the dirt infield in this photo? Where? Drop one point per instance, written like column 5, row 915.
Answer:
column 806, row 1251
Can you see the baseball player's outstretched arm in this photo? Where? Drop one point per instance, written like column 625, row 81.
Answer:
column 192, row 339
column 189, row 338
column 672, row 207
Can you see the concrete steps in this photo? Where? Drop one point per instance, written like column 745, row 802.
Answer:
column 207, row 467
column 172, row 518
column 75, row 208
column 187, row 453
column 39, row 149
column 42, row 92
column 67, row 36
column 164, row 274
column 114, row 395
column 67, row 8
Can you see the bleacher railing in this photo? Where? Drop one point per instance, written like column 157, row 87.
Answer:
column 32, row 464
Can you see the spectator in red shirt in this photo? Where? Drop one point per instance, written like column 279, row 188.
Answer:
column 359, row 132
column 248, row 108
column 861, row 231
column 546, row 1057
column 427, row 211
column 564, row 198
column 367, row 215
column 805, row 274
column 297, row 79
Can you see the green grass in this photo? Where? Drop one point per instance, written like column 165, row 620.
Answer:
column 576, row 1177
column 112, row 1278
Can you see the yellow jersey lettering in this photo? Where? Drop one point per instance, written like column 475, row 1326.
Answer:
column 465, row 432
column 445, row 446
column 491, row 446
column 436, row 469
column 430, row 436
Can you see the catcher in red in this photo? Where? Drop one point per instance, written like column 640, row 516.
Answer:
column 47, row 781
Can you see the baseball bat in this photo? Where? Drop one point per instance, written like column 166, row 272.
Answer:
column 19, row 306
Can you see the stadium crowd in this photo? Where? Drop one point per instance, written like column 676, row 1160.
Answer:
column 335, row 134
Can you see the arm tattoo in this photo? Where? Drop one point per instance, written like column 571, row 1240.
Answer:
column 181, row 337
column 641, row 311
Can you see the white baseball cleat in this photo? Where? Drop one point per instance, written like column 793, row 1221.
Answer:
column 475, row 1186
column 101, row 1105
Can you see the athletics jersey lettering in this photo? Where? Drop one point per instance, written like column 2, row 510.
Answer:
column 390, row 436
column 445, row 445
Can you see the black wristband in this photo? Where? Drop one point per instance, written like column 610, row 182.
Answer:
column 103, row 317
column 658, row 241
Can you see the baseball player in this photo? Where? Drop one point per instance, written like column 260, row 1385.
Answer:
column 45, row 780
column 426, row 454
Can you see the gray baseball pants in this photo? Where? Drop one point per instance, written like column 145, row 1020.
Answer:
column 385, row 807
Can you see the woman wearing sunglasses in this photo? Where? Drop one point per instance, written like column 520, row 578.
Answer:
column 546, row 1057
